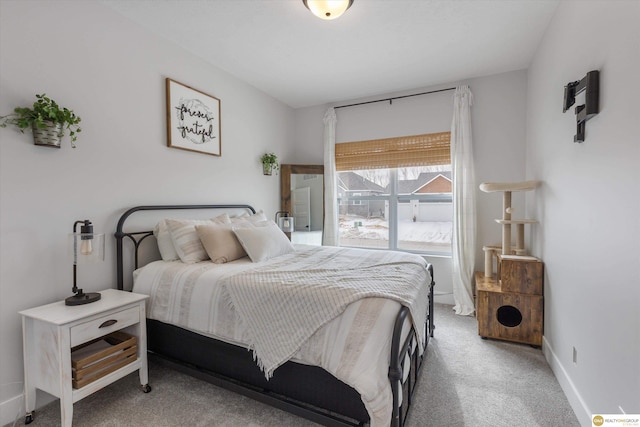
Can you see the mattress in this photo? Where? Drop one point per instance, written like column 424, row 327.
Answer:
column 353, row 345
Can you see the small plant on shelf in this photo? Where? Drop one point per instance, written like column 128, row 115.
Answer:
column 269, row 163
column 46, row 119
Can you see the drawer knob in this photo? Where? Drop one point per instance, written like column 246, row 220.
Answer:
column 107, row 323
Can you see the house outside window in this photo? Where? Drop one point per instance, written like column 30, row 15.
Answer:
column 407, row 208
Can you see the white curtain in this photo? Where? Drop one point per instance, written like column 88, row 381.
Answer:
column 330, row 231
column 464, row 203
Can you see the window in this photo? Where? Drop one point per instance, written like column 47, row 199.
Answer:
column 405, row 205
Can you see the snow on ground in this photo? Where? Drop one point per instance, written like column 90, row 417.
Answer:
column 408, row 231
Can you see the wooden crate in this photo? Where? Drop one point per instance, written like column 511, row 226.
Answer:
column 523, row 275
column 95, row 359
column 508, row 316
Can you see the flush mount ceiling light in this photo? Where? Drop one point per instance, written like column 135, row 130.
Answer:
column 327, row 9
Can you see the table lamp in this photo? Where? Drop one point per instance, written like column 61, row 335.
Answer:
column 284, row 221
column 86, row 247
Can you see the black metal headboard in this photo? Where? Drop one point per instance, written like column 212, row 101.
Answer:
column 138, row 236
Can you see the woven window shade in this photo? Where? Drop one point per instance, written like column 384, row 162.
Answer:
column 405, row 151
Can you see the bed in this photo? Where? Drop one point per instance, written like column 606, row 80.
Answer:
column 333, row 365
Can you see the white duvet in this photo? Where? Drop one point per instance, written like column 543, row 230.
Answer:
column 353, row 345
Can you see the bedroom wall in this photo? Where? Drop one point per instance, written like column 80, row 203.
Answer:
column 589, row 204
column 111, row 73
column 498, row 126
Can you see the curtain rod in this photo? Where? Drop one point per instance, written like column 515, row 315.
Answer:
column 395, row 97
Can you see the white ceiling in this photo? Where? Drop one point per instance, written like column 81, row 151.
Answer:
column 376, row 47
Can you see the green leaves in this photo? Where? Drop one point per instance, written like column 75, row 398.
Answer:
column 269, row 158
column 44, row 110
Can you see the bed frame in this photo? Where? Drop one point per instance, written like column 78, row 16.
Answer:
column 306, row 391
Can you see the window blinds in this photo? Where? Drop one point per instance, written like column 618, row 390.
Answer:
column 405, row 151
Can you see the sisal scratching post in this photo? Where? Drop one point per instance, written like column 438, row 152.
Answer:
column 506, row 226
column 520, row 250
column 488, row 261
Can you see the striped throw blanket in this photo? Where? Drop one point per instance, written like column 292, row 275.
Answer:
column 280, row 308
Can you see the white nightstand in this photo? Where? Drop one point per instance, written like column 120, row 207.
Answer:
column 50, row 331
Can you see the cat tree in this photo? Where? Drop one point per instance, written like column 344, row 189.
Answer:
column 510, row 305
column 507, row 222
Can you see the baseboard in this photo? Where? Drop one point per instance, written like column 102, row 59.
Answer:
column 443, row 299
column 12, row 410
column 573, row 395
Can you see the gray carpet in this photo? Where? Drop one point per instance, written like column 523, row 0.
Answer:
column 466, row 381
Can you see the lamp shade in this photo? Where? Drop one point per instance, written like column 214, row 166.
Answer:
column 284, row 221
column 286, row 224
column 86, row 247
column 328, row 9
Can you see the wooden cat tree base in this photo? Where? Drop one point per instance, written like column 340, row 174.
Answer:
column 510, row 306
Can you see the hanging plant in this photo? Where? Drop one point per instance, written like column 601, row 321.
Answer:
column 46, row 119
column 269, row 163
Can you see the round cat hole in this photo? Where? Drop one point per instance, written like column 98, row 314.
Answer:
column 509, row 316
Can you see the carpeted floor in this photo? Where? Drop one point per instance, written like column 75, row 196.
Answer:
column 466, row 381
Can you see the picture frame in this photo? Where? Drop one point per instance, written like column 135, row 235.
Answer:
column 193, row 119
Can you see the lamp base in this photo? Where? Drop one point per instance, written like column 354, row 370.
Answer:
column 82, row 298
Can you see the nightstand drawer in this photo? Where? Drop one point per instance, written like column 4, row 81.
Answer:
column 104, row 325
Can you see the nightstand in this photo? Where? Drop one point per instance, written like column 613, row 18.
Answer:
column 50, row 332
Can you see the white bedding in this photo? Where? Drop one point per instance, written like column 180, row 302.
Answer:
column 354, row 346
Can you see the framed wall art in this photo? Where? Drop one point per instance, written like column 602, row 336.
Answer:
column 193, row 119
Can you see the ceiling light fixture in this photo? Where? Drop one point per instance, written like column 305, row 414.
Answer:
column 327, row 9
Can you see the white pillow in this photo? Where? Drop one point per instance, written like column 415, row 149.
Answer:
column 165, row 243
column 263, row 241
column 185, row 238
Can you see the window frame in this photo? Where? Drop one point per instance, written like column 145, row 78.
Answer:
column 393, row 198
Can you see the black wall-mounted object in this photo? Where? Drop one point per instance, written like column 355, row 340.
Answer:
column 590, row 84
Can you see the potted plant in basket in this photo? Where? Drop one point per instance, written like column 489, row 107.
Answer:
column 46, row 119
column 269, row 163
